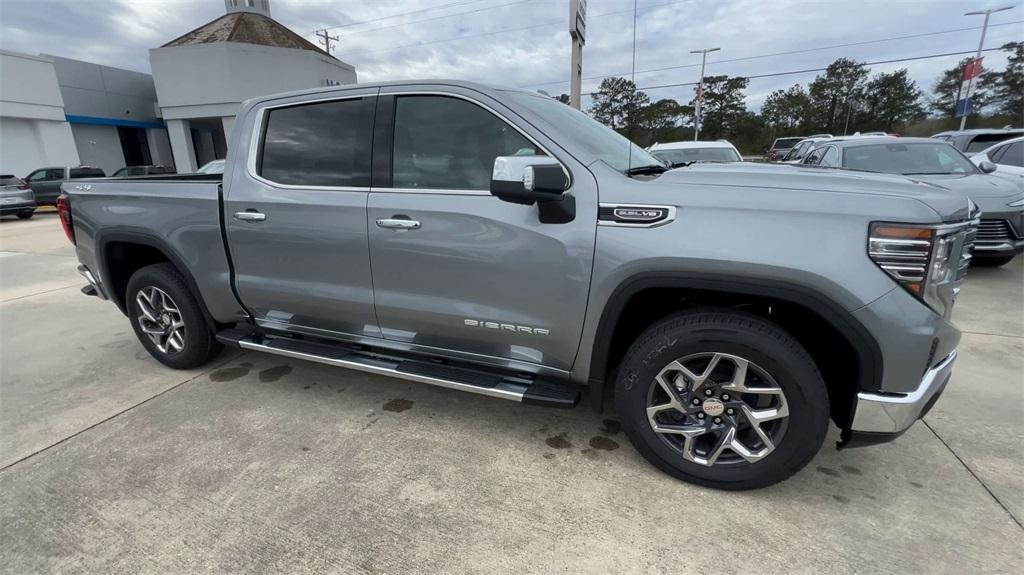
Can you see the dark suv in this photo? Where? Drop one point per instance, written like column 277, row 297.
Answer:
column 45, row 182
column 978, row 139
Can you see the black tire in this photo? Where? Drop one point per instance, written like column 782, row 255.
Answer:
column 991, row 261
column 200, row 345
column 26, row 214
column 740, row 334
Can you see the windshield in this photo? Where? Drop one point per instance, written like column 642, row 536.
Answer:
column 908, row 159
column 10, row 180
column 583, row 131
column 688, row 155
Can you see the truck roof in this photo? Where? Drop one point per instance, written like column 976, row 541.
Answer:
column 347, row 87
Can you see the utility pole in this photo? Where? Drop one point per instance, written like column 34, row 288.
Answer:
column 577, row 32
column 973, row 69
column 700, row 89
column 326, row 39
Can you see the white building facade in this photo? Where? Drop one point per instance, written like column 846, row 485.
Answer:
column 62, row 112
column 33, row 130
column 203, row 76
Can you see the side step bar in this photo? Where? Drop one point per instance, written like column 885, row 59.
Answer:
column 515, row 388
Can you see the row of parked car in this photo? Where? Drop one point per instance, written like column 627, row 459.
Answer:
column 986, row 166
column 21, row 196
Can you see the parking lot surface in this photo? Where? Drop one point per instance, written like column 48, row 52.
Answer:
column 112, row 463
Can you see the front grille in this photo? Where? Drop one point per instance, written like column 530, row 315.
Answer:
column 994, row 231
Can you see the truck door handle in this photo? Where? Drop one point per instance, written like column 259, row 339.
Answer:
column 398, row 223
column 250, row 215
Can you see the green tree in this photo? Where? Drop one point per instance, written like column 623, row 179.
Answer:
column 615, row 100
column 1008, row 88
column 890, row 100
column 658, row 121
column 946, row 91
column 786, row 110
column 723, row 105
column 834, row 95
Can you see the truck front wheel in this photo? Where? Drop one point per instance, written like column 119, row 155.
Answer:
column 167, row 318
column 722, row 399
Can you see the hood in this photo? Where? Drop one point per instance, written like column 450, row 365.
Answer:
column 951, row 206
column 976, row 185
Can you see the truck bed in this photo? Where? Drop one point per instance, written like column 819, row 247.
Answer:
column 177, row 214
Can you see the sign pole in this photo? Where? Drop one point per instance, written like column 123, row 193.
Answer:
column 577, row 32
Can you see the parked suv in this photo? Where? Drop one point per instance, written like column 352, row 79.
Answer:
column 1001, row 200
column 498, row 242
column 781, row 146
column 45, row 182
column 16, row 197
column 975, row 140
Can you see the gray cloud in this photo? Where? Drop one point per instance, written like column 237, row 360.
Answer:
column 120, row 33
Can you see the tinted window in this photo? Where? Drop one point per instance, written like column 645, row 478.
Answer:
column 785, row 143
column 908, row 159
column 322, row 144
column 982, row 141
column 1014, row 155
column 449, row 143
column 86, row 173
column 54, row 174
column 688, row 155
column 815, row 156
column 831, row 157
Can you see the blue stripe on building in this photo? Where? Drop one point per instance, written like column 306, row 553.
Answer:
column 112, row 122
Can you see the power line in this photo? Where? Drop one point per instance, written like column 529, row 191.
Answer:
column 786, row 53
column 326, row 39
column 505, row 31
column 400, row 14
column 809, row 70
column 484, row 9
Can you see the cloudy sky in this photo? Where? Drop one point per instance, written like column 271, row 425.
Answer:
column 525, row 43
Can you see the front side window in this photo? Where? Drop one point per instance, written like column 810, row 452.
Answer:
column 37, row 176
column 831, row 157
column 1013, row 155
column 814, row 157
column 450, row 144
column 321, row 144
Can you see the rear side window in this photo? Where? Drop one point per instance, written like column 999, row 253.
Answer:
column 450, row 144
column 321, row 144
column 86, row 173
column 54, row 174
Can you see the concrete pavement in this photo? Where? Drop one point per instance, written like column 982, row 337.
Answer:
column 112, row 463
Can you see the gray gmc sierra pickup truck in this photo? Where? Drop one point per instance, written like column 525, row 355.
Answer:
column 499, row 242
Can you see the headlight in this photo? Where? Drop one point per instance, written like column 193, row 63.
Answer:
column 920, row 258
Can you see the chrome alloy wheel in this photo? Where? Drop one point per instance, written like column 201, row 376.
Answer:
column 160, row 320
column 717, row 409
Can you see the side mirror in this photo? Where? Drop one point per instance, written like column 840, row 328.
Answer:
column 529, row 180
column 986, row 166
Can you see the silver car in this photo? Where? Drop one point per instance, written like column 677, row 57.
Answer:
column 16, row 198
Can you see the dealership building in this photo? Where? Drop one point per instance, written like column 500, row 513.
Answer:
column 204, row 75
column 62, row 112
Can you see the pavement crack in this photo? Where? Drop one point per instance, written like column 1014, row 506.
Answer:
column 1009, row 335
column 39, row 293
column 973, row 474
column 120, row 413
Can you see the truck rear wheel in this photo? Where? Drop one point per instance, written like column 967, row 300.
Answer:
column 722, row 399
column 167, row 318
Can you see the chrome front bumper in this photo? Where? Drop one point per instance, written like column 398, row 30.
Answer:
column 893, row 413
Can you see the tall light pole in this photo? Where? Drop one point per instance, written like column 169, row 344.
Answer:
column 700, row 89
column 974, row 68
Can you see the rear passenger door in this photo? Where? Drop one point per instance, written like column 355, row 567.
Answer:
column 295, row 214
column 455, row 268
